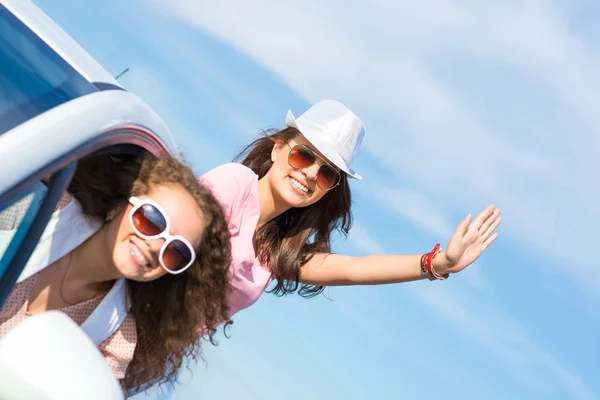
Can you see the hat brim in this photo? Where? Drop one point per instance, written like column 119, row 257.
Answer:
column 325, row 148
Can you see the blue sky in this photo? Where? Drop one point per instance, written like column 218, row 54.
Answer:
column 465, row 103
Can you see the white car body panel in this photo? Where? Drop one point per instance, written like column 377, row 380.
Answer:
column 37, row 142
column 47, row 357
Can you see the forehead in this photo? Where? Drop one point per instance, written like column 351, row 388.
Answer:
column 185, row 216
column 300, row 139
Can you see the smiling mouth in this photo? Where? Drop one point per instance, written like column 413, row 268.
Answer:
column 295, row 183
column 138, row 256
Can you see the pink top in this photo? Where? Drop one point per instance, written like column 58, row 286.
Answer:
column 117, row 349
column 236, row 188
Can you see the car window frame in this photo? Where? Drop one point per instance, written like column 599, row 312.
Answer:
column 127, row 138
column 26, row 241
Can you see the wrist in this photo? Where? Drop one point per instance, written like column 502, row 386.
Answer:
column 441, row 264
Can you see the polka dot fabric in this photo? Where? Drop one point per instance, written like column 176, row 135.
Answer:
column 11, row 217
column 117, row 350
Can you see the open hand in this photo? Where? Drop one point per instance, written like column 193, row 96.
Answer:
column 470, row 239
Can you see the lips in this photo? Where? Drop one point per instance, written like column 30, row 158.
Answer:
column 138, row 256
column 298, row 185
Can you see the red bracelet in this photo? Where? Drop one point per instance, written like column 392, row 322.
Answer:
column 424, row 270
column 427, row 264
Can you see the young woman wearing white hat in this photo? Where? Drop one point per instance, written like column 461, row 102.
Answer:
column 291, row 192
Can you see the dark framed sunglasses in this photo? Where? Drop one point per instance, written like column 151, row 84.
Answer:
column 302, row 156
column 149, row 221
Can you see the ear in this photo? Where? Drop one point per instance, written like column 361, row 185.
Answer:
column 113, row 213
column 279, row 144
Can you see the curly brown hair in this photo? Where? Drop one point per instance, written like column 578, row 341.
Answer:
column 290, row 240
column 174, row 312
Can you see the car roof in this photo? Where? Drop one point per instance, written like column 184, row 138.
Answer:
column 59, row 41
column 26, row 148
column 135, row 110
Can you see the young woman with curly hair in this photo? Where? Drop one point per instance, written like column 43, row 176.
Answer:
column 153, row 225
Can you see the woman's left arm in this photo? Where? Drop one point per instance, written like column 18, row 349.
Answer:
column 467, row 243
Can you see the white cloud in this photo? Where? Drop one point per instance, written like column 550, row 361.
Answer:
column 365, row 240
column 412, row 206
column 383, row 59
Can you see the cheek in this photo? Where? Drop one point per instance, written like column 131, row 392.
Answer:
column 281, row 164
column 156, row 273
column 112, row 232
column 122, row 228
column 276, row 174
column 117, row 232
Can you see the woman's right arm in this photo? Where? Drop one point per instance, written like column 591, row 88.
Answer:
column 466, row 244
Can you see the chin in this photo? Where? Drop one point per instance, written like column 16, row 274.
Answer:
column 291, row 198
column 130, row 272
column 142, row 276
column 129, row 269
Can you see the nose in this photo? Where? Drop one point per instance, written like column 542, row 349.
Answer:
column 155, row 245
column 312, row 171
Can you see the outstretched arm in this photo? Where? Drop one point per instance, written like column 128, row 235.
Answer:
column 467, row 243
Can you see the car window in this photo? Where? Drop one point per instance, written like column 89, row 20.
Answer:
column 24, row 218
column 33, row 78
column 15, row 220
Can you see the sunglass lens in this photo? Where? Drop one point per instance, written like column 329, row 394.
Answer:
column 301, row 157
column 327, row 177
column 149, row 220
column 177, row 255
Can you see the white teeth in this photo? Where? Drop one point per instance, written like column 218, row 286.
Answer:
column 299, row 185
column 138, row 255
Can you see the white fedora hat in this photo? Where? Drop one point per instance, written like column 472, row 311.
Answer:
column 334, row 130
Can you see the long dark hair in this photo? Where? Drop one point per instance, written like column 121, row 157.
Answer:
column 170, row 312
column 290, row 240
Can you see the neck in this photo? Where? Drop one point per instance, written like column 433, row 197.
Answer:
column 270, row 207
column 91, row 267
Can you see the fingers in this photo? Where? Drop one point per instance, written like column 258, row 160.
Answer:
column 462, row 227
column 482, row 217
column 491, row 219
column 492, row 227
column 465, row 222
column 489, row 241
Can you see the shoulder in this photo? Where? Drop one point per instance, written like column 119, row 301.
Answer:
column 123, row 341
column 229, row 181
column 119, row 349
column 232, row 173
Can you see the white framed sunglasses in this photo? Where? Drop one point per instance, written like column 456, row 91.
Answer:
column 149, row 221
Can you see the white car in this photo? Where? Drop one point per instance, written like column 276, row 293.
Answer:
column 57, row 106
